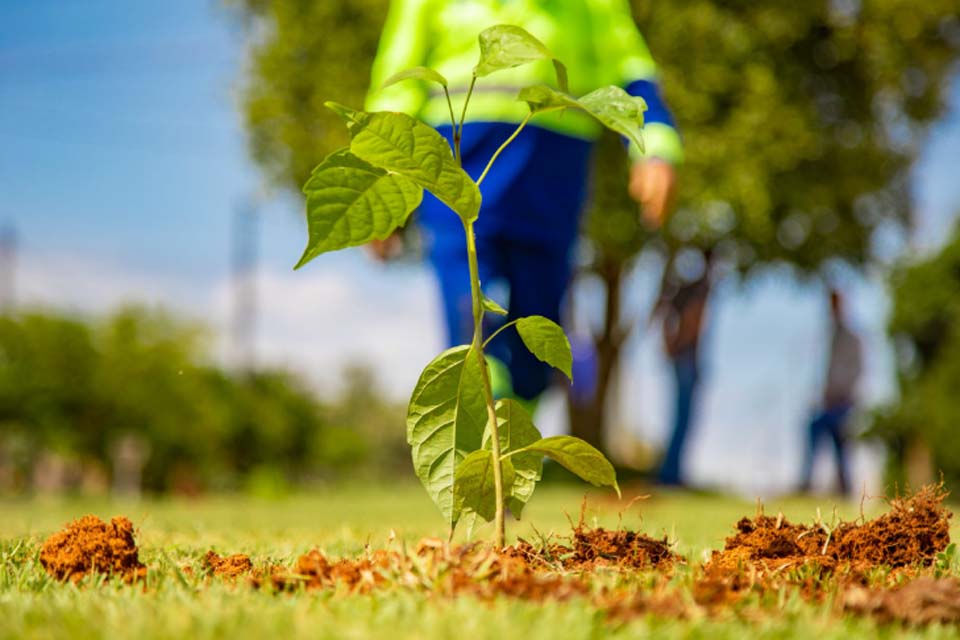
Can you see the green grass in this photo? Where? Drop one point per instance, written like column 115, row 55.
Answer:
column 173, row 533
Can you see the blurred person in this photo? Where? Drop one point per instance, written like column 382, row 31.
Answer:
column 844, row 369
column 534, row 195
column 682, row 306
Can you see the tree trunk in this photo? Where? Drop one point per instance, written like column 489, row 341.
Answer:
column 589, row 420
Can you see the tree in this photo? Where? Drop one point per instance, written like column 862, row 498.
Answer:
column 77, row 388
column 304, row 52
column 925, row 326
column 801, row 122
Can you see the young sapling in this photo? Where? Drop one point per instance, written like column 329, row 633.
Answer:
column 476, row 456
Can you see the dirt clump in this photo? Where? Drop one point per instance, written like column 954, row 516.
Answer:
column 315, row 571
column 911, row 533
column 227, row 567
column 922, row 601
column 90, row 545
column 590, row 548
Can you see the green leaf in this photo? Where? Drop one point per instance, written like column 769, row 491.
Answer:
column 417, row 73
column 541, row 97
column 475, row 489
column 506, row 46
column 492, row 306
column 617, row 110
column 547, row 341
column 445, row 423
column 517, row 431
column 612, row 106
column 401, row 144
column 350, row 202
column 580, row 458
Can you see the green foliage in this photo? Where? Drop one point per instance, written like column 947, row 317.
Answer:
column 76, row 389
column 301, row 52
column 350, row 202
column 801, row 120
column 578, row 457
column 475, row 487
column 507, row 46
column 945, row 561
column 417, row 73
column 445, row 423
column 403, row 145
column 612, row 106
column 493, row 307
column 546, row 340
column 452, row 405
column 517, row 431
column 925, row 326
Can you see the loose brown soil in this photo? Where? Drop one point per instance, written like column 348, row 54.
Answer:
column 768, row 553
column 230, row 567
column 434, row 565
column 599, row 547
column 881, row 568
column 89, row 545
column 911, row 533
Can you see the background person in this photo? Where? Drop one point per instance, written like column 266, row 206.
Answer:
column 839, row 394
column 533, row 197
column 682, row 306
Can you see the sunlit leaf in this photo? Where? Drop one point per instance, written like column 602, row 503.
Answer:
column 541, row 97
column 445, row 423
column 401, row 144
column 580, row 458
column 475, row 489
column 617, row 110
column 417, row 73
column 517, row 431
column 507, row 46
column 547, row 341
column 492, row 306
column 350, row 202
column 612, row 106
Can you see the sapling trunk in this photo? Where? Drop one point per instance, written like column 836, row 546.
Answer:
column 477, row 344
column 499, row 535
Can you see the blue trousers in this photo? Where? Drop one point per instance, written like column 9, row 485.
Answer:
column 532, row 200
column 827, row 425
column 687, row 376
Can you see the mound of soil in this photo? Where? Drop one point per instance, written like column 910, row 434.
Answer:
column 229, row 567
column 911, row 533
column 599, row 547
column 89, row 545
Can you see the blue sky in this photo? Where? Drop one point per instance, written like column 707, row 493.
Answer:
column 122, row 158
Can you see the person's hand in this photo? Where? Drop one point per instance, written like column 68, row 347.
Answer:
column 651, row 186
column 386, row 250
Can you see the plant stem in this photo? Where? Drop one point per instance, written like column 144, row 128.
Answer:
column 487, row 389
column 497, row 332
column 453, row 123
column 506, row 143
column 458, row 130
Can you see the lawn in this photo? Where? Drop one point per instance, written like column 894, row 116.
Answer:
column 176, row 533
